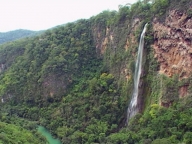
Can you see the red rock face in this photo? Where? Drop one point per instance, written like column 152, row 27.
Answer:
column 102, row 39
column 173, row 44
column 183, row 91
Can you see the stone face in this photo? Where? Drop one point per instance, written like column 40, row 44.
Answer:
column 102, row 40
column 173, row 44
column 54, row 85
column 183, row 91
column 131, row 39
column 2, row 67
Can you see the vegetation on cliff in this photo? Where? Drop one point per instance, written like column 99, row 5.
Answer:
column 12, row 134
column 16, row 34
column 77, row 79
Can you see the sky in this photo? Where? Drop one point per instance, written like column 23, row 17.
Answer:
column 43, row 14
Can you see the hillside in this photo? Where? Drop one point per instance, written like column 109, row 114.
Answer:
column 77, row 80
column 15, row 134
column 16, row 34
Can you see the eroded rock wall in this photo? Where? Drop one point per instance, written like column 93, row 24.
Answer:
column 173, row 44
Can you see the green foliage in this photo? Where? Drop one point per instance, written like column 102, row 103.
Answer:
column 51, row 58
column 161, row 141
column 159, row 6
column 169, row 89
column 187, row 137
column 158, row 125
column 10, row 133
column 16, row 34
column 189, row 13
column 105, row 18
column 123, row 14
column 62, row 81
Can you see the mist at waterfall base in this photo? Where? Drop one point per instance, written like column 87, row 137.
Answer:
column 133, row 108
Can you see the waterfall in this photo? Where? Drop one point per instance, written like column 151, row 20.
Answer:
column 133, row 108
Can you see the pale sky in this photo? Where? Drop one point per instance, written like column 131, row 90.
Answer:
column 44, row 14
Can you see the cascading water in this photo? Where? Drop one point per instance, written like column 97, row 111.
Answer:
column 133, row 108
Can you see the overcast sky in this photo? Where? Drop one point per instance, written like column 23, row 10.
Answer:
column 44, row 14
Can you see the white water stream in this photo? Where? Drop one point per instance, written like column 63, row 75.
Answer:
column 133, row 108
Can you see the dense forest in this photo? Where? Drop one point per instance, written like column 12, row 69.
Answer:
column 16, row 34
column 77, row 80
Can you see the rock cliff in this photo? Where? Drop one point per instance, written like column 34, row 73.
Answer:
column 173, row 44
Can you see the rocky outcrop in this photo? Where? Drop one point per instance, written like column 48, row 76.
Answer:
column 54, row 85
column 102, row 39
column 2, row 68
column 183, row 91
column 173, row 44
column 131, row 40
